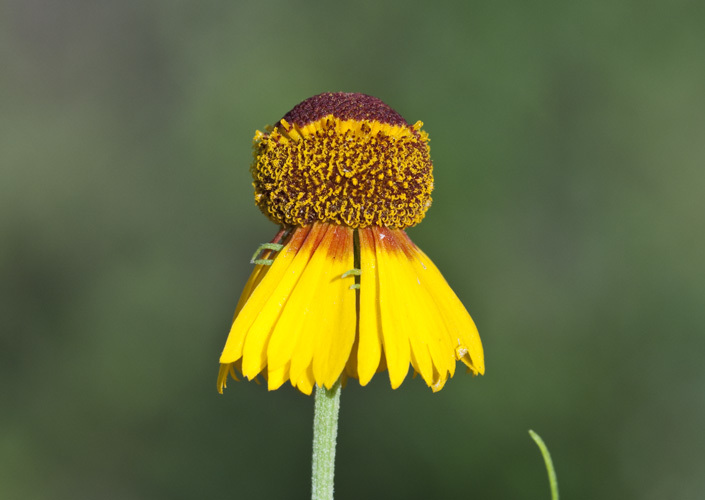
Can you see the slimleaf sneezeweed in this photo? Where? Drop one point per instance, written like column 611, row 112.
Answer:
column 341, row 291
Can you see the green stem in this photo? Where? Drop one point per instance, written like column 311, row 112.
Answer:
column 325, row 432
column 553, row 481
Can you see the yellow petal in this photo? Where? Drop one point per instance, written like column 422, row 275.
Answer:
column 257, row 274
column 464, row 332
column 302, row 354
column 299, row 307
column 223, row 372
column 370, row 321
column 433, row 330
column 336, row 301
column 396, row 340
column 277, row 377
column 254, row 353
column 305, row 381
column 236, row 338
column 413, row 314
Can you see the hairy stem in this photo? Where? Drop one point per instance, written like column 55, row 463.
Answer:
column 325, row 432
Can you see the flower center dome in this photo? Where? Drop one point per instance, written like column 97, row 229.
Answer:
column 343, row 158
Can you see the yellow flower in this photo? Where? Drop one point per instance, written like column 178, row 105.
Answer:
column 342, row 291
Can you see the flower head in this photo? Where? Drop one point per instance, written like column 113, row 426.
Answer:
column 342, row 291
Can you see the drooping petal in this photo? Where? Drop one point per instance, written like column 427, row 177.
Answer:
column 257, row 275
column 299, row 306
column 370, row 338
column 415, row 318
column 328, row 332
column 277, row 377
column 429, row 327
column 394, row 334
column 420, row 325
column 260, row 296
column 465, row 337
column 305, row 381
column 336, row 333
column 300, row 350
column 254, row 354
column 256, row 348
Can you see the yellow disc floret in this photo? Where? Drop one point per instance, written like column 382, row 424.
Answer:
column 345, row 167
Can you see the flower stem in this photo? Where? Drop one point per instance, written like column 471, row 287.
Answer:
column 325, row 432
column 553, row 482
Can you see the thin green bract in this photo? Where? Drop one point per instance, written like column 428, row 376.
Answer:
column 552, row 480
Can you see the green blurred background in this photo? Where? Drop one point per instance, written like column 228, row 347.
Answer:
column 569, row 146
